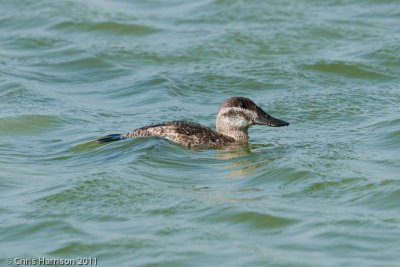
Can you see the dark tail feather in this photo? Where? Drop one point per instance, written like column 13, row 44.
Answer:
column 110, row 138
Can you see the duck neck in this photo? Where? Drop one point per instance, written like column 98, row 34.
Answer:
column 239, row 135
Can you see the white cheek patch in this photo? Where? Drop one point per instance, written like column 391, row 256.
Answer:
column 240, row 118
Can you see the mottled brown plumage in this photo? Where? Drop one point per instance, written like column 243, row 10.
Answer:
column 183, row 132
column 234, row 117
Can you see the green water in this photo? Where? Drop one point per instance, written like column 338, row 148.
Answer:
column 324, row 191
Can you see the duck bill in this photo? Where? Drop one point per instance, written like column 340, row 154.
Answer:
column 263, row 118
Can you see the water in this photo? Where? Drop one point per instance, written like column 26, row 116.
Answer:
column 324, row 191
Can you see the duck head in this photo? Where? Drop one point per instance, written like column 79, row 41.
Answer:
column 237, row 114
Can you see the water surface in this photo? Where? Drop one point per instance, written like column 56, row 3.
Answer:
column 324, row 191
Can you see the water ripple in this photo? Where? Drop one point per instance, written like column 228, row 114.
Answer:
column 107, row 28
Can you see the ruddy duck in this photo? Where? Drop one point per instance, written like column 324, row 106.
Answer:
column 234, row 118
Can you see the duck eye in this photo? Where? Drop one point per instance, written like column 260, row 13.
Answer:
column 242, row 105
